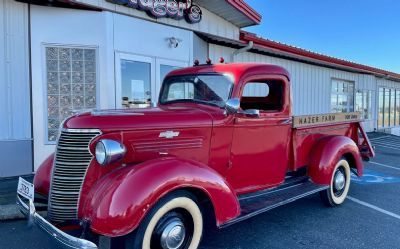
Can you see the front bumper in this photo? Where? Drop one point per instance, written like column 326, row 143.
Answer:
column 70, row 241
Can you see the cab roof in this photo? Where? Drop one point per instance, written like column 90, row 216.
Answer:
column 236, row 69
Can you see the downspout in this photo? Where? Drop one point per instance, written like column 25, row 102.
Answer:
column 249, row 46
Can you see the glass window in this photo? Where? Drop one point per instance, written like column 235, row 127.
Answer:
column 166, row 69
column 392, row 107
column 364, row 103
column 264, row 96
column 255, row 89
column 381, row 108
column 135, row 84
column 386, row 114
column 71, row 84
column 206, row 89
column 398, row 106
column 342, row 96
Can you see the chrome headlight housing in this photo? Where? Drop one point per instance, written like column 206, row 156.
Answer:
column 109, row 151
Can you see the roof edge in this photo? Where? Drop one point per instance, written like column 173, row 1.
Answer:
column 248, row 11
column 246, row 37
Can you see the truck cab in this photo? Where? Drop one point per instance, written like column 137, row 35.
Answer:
column 221, row 141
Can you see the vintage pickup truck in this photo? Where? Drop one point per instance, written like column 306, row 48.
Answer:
column 222, row 141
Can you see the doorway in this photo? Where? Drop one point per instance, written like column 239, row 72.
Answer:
column 139, row 79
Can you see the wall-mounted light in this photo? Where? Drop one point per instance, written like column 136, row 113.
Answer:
column 174, row 42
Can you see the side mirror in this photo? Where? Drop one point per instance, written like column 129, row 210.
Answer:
column 232, row 106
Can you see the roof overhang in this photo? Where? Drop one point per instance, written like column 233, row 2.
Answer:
column 272, row 49
column 321, row 59
column 237, row 12
column 70, row 4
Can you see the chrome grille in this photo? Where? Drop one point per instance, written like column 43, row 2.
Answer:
column 70, row 165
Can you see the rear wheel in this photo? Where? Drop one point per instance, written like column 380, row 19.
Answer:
column 176, row 222
column 339, row 187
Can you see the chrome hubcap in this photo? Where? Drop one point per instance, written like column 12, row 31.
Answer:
column 340, row 180
column 173, row 235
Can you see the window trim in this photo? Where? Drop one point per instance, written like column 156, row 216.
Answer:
column 287, row 90
column 385, row 101
column 44, row 78
column 353, row 93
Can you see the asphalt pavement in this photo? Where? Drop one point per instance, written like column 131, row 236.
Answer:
column 370, row 217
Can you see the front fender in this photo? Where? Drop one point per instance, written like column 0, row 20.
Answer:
column 43, row 176
column 327, row 152
column 117, row 203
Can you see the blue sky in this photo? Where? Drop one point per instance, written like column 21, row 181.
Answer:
column 364, row 31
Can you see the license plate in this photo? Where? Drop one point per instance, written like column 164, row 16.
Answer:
column 26, row 189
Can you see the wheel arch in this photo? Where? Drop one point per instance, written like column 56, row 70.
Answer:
column 327, row 152
column 115, row 210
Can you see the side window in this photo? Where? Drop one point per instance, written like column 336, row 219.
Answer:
column 263, row 96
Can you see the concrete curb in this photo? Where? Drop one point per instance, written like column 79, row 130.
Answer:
column 10, row 212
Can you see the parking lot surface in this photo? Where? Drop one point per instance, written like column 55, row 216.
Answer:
column 370, row 218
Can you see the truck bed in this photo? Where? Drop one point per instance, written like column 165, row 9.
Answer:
column 308, row 130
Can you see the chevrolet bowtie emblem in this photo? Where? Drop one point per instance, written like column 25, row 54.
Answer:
column 169, row 134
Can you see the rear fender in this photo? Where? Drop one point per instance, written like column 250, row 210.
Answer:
column 117, row 203
column 327, row 152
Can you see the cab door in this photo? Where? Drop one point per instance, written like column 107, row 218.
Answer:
column 260, row 143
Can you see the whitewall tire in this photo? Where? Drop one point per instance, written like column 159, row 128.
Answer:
column 339, row 186
column 175, row 222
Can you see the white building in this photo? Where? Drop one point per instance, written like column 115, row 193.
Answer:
column 59, row 56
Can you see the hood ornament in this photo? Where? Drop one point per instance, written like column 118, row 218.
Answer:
column 169, row 134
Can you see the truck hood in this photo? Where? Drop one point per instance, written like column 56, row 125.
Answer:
column 141, row 119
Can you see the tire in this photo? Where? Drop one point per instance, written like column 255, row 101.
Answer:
column 336, row 194
column 175, row 222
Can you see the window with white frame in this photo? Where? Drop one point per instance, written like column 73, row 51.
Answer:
column 364, row 103
column 342, row 96
column 389, row 107
column 71, row 84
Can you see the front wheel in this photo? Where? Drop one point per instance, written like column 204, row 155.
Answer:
column 339, row 187
column 175, row 222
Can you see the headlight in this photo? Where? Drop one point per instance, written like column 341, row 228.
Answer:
column 109, row 151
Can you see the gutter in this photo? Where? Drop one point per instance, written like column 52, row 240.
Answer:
column 249, row 46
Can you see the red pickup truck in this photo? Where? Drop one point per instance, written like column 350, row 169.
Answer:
column 222, row 140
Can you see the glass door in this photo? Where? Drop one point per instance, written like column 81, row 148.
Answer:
column 164, row 67
column 135, row 81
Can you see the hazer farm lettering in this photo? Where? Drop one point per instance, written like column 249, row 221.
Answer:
column 316, row 119
column 165, row 8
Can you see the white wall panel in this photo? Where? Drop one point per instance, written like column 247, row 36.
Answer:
column 211, row 23
column 14, row 72
column 67, row 27
column 153, row 41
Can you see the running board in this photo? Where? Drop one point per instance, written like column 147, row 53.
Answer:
column 260, row 202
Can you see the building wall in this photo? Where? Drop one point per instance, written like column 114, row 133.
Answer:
column 114, row 36
column 211, row 23
column 15, row 125
column 311, row 84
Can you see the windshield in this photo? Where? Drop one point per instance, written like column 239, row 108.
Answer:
column 206, row 89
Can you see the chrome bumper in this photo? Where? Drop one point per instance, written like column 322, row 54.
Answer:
column 64, row 238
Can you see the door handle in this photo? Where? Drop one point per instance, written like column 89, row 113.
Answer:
column 286, row 121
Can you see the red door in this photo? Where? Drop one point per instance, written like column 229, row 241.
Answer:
column 260, row 145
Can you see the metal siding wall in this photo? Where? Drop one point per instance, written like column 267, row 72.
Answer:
column 311, row 85
column 15, row 126
column 388, row 83
column 14, row 72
